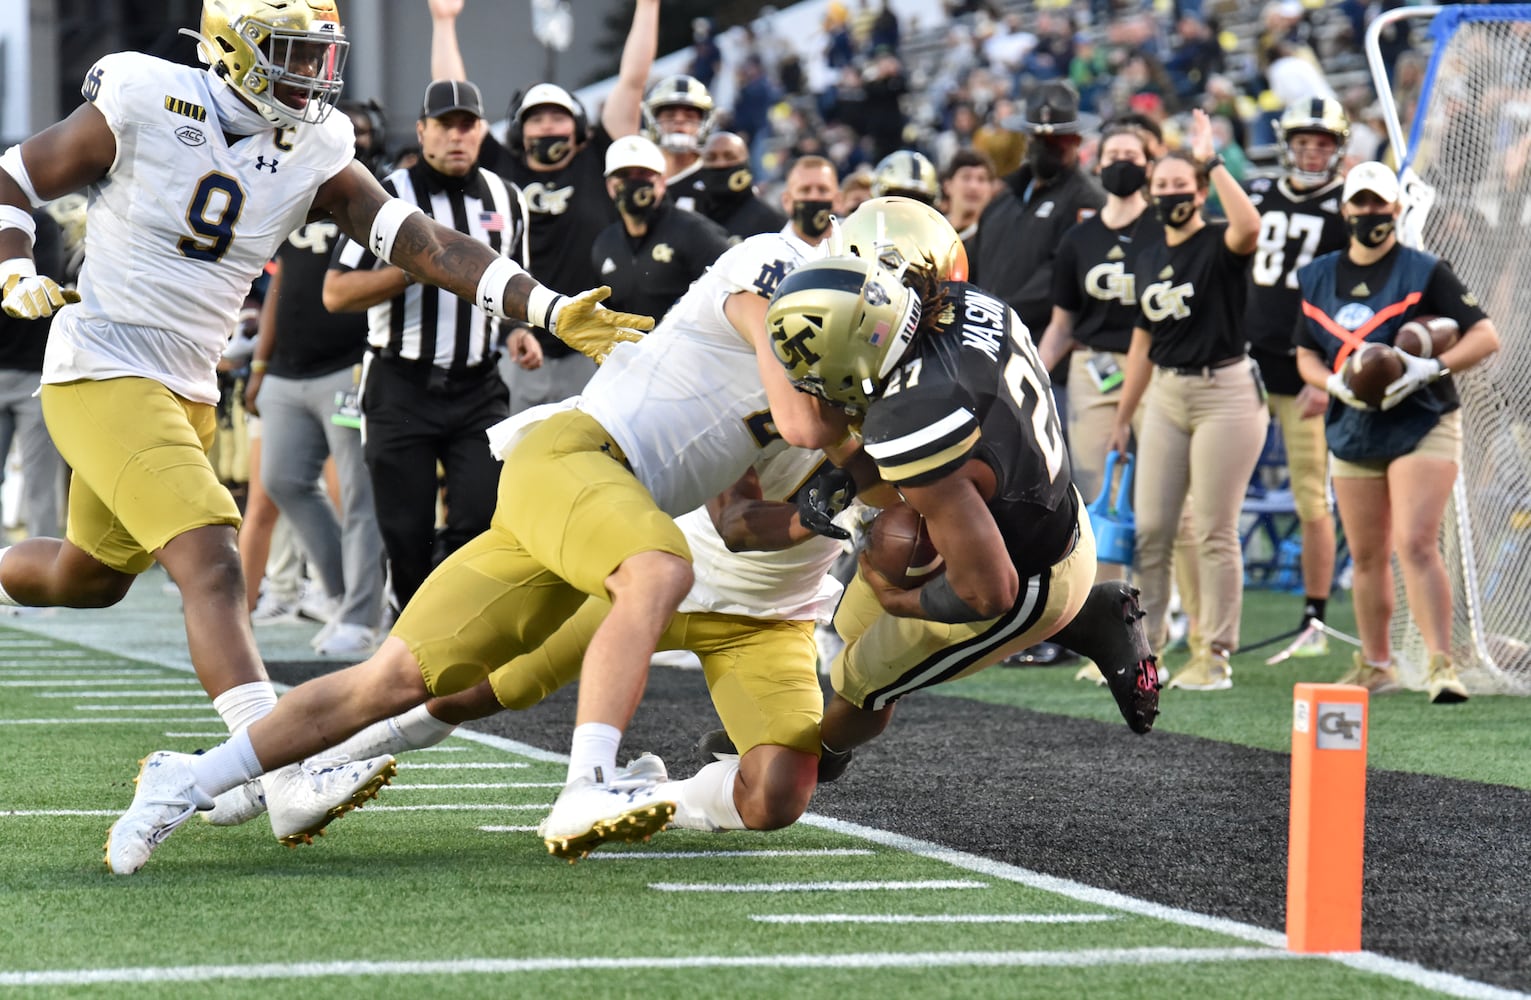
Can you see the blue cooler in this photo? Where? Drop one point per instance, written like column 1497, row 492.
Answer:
column 1115, row 530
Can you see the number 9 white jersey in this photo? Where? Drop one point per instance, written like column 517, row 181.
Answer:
column 181, row 225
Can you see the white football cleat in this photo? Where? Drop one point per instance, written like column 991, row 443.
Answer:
column 303, row 798
column 644, row 771
column 166, row 796
column 588, row 815
column 238, row 805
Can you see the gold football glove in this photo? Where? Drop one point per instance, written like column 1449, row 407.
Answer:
column 28, row 295
column 590, row 328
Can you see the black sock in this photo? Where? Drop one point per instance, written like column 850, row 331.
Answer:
column 1314, row 607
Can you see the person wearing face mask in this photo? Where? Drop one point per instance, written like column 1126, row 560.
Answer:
column 1096, row 304
column 654, row 254
column 1299, row 221
column 1020, row 229
column 1394, row 466
column 723, row 190
column 1205, row 419
column 809, row 200
column 557, row 158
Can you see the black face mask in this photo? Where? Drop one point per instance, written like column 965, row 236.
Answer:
column 637, row 199
column 1123, row 177
column 1371, row 229
column 1175, row 210
column 724, row 185
column 1046, row 160
column 812, row 217
column 549, row 150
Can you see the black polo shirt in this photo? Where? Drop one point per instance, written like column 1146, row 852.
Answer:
column 648, row 273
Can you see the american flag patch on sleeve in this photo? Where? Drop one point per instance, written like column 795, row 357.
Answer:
column 491, row 222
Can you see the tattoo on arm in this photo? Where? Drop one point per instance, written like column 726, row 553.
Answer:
column 454, row 261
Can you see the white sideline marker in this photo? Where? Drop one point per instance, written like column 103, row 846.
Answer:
column 414, row 787
column 104, row 722
column 466, row 765
column 911, row 918
column 147, row 693
column 141, row 708
column 510, row 829
column 24, row 813
column 905, row 886
column 198, row 736
column 824, row 852
column 105, row 680
column 454, row 807
column 451, row 750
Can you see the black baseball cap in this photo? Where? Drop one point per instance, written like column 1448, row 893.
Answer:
column 443, row 97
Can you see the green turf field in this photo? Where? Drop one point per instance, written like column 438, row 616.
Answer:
column 440, row 888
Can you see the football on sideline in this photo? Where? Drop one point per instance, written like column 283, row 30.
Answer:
column 899, row 547
column 1369, row 371
column 1427, row 336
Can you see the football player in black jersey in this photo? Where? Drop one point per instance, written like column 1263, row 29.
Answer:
column 958, row 415
column 1299, row 221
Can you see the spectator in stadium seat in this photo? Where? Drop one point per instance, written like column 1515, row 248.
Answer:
column 1393, row 467
column 1205, row 418
column 967, row 185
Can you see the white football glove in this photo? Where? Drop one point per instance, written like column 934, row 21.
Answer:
column 1339, row 390
column 1417, row 373
column 29, row 295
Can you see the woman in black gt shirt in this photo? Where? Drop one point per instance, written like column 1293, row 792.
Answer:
column 1206, row 419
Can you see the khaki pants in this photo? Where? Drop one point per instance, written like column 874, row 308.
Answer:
column 1202, row 435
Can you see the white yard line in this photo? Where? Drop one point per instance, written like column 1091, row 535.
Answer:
column 107, row 722
column 179, row 707
column 911, row 918
column 100, row 682
column 145, row 693
column 26, row 813
column 414, row 787
column 455, row 807
column 822, row 852
column 198, row 736
column 409, row 764
column 892, row 886
column 1094, row 958
column 510, row 829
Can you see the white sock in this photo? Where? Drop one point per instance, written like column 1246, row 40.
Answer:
column 593, row 753
column 416, row 729
column 242, row 705
column 7, row 599
column 705, row 801
column 227, row 765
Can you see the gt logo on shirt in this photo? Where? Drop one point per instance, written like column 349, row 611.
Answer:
column 1162, row 300
column 1111, row 283
column 543, row 200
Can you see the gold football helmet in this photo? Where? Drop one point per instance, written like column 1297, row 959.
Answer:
column 678, row 92
column 908, row 174
column 283, row 56
column 902, row 232
column 1313, row 114
column 839, row 326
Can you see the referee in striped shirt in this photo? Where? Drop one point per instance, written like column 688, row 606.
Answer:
column 430, row 386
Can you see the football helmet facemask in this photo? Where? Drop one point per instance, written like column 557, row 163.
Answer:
column 263, row 46
column 907, row 174
column 901, row 232
column 679, row 91
column 1314, row 114
column 839, row 326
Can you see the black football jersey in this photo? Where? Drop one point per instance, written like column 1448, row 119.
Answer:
column 1295, row 228
column 974, row 387
column 1095, row 278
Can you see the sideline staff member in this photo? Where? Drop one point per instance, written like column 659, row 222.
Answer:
column 431, row 386
column 654, row 254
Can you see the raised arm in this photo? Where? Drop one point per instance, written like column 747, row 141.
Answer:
column 446, row 54
column 622, row 113
column 1243, row 218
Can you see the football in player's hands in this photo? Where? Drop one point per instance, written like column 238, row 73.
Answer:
column 1427, row 336
column 899, row 547
column 1370, row 370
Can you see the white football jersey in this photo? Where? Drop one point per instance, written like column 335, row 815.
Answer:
column 685, row 404
column 789, row 585
column 181, row 225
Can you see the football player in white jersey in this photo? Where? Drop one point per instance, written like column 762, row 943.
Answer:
column 194, row 178
column 666, row 425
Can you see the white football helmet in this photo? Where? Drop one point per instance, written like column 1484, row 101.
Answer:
column 678, row 92
column 262, row 47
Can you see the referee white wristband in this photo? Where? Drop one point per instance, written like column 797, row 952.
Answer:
column 491, row 286
column 386, row 225
column 542, row 307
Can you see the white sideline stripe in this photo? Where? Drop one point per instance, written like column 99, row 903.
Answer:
column 412, row 786
column 199, row 736
column 502, row 966
column 1444, row 982
column 104, row 722
column 61, row 654
column 450, row 750
column 910, row 918
column 103, row 681
column 465, row 766
column 934, row 883
column 182, row 707
column 66, row 675
column 1365, row 961
column 146, row 693
column 454, row 807
column 23, row 813
column 511, row 829
column 825, row 852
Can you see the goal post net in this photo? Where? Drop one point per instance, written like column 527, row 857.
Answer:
column 1466, row 167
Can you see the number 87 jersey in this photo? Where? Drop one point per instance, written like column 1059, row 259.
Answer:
column 1295, row 228
column 973, row 387
column 181, row 224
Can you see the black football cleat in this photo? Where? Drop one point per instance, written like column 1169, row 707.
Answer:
column 1109, row 630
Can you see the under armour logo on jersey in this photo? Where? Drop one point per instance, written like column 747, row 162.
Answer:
column 261, row 163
